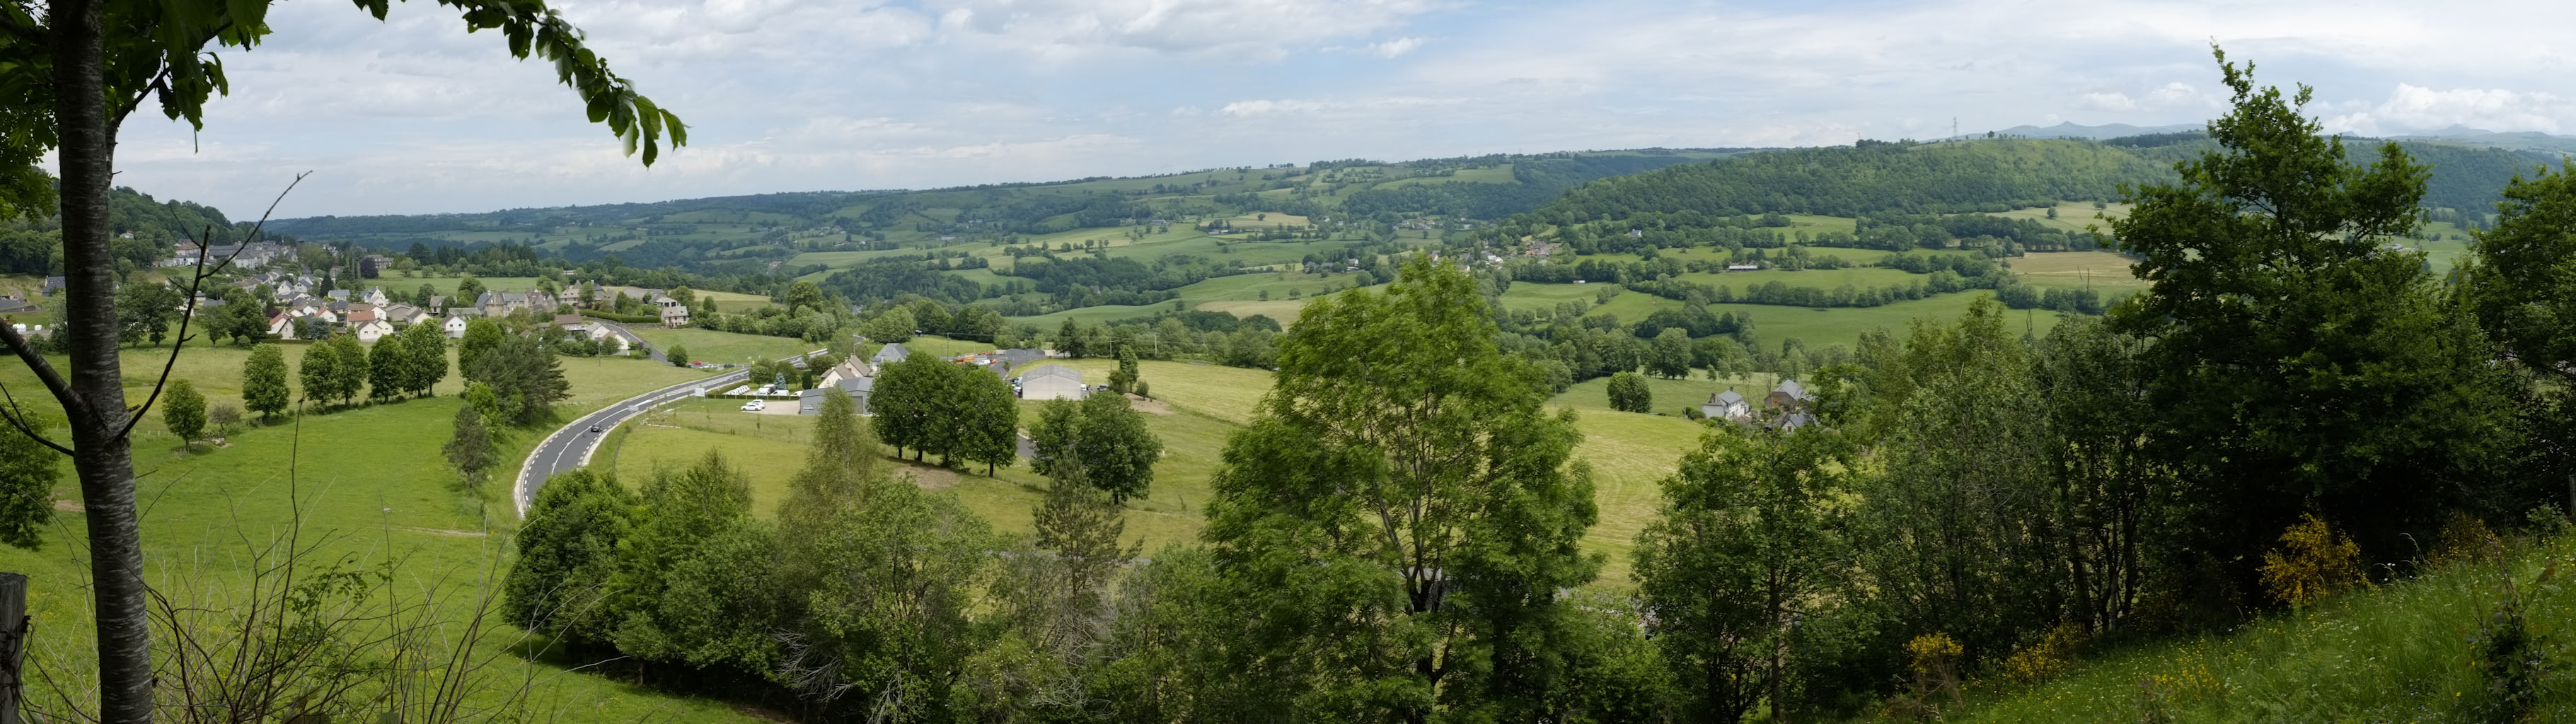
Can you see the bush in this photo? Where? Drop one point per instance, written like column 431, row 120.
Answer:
column 2314, row 563
column 1628, row 393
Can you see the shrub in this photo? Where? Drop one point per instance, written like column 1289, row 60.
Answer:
column 2314, row 563
column 1628, row 393
column 2050, row 656
column 2463, row 538
column 1935, row 666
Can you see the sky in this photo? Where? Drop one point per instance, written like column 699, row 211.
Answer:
column 412, row 115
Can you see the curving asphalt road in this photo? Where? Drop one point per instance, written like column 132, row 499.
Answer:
column 569, row 447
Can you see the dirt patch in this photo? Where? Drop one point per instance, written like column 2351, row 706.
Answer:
column 928, row 477
column 67, row 504
column 1151, row 407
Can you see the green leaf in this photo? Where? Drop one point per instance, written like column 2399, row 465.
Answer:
column 599, row 106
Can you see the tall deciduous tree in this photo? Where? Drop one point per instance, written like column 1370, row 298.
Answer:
column 27, row 476
column 481, row 335
column 349, row 373
column 1749, row 542
column 184, row 411
column 264, row 381
column 567, row 558
column 1402, row 512
column 424, row 355
column 1628, row 393
column 389, row 366
column 2301, row 363
column 320, row 372
column 1669, row 355
column 470, row 447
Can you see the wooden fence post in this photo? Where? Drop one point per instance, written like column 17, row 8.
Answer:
column 13, row 644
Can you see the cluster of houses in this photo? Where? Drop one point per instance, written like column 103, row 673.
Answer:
column 1785, row 407
column 858, row 378
column 243, row 256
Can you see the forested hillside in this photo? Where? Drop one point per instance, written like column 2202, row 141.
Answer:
column 145, row 229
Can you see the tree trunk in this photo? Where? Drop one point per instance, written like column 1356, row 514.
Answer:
column 101, row 454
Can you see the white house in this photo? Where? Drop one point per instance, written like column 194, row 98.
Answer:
column 1728, row 405
column 1051, row 382
column 455, row 327
column 372, row 329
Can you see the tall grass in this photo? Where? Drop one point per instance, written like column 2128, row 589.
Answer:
column 2401, row 652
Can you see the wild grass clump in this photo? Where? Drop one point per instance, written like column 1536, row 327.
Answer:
column 2482, row 639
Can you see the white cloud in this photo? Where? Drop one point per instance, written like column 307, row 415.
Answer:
column 2415, row 109
column 1396, row 47
column 410, row 115
column 1267, row 107
column 1080, row 29
column 2113, row 102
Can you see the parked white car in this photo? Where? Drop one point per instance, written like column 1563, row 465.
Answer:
column 754, row 406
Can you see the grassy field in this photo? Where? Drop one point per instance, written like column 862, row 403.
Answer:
column 370, row 486
column 1844, row 326
column 2100, row 270
column 2071, row 215
column 2394, row 653
column 707, row 345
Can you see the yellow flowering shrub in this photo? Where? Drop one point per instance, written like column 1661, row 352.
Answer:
column 2313, row 563
column 2050, row 656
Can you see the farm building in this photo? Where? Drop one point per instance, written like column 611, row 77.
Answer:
column 1051, row 382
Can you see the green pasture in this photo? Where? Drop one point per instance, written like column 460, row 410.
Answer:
column 359, row 486
column 1819, row 328
column 2071, row 215
column 707, row 345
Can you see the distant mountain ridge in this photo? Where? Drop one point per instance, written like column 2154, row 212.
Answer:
column 2095, row 133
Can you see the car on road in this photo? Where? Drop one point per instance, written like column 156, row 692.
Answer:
column 754, row 406
column 594, row 429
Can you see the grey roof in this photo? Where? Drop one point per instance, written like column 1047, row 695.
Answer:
column 859, row 385
column 1791, row 387
column 1728, row 397
column 1051, row 371
column 890, row 353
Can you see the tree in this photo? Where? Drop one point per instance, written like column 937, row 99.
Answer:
column 1102, row 439
column 2301, row 365
column 1747, row 545
column 803, row 294
column 1400, row 514
column 264, row 381
column 320, row 370
column 349, row 373
column 144, row 310
column 525, row 378
column 1628, row 393
column 241, row 317
column 421, row 297
column 481, row 335
column 567, row 556
column 470, row 447
column 1056, row 436
column 27, row 477
column 467, row 290
column 895, row 324
column 389, row 368
column 1124, row 381
column 226, row 419
column 904, row 403
column 671, row 590
column 987, row 419
column 424, row 357
column 1669, row 355
column 1117, row 452
column 184, row 412
column 678, row 355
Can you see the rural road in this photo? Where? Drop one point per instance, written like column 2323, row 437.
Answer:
column 569, row 447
